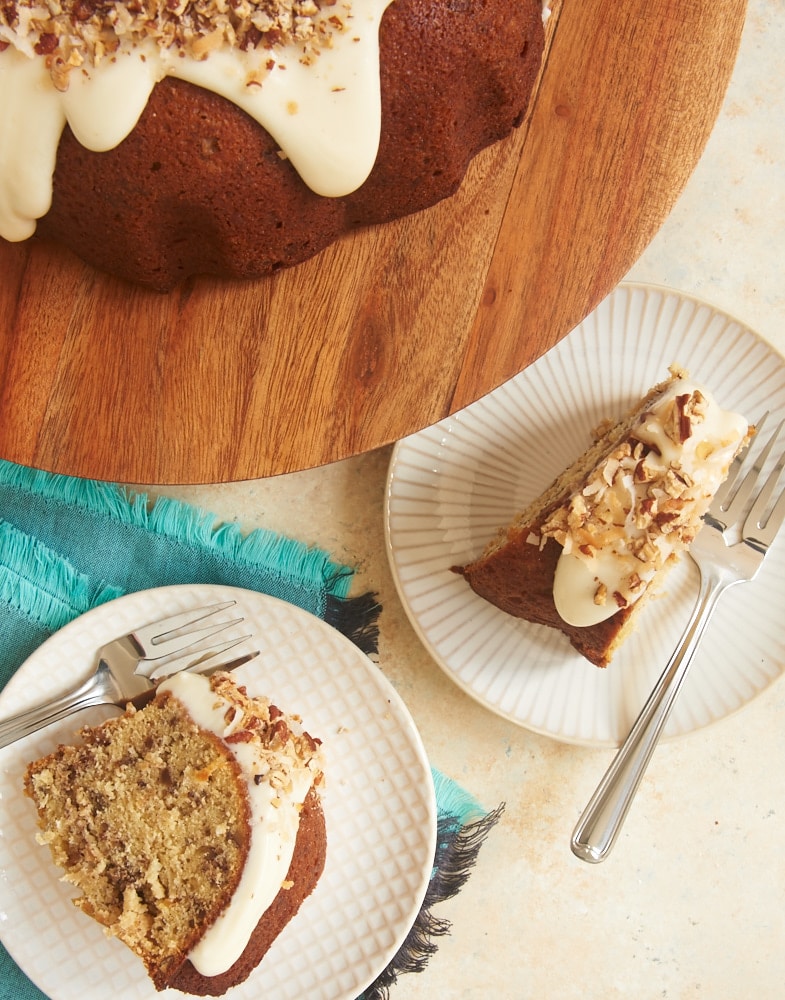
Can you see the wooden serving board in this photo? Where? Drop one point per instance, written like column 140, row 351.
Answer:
column 393, row 328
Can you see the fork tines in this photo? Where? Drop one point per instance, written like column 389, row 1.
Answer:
column 760, row 529
column 169, row 628
column 201, row 659
column 176, row 633
column 731, row 499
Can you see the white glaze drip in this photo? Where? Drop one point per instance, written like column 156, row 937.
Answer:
column 326, row 116
column 703, row 457
column 274, row 824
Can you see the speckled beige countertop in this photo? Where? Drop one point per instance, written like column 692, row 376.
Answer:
column 691, row 904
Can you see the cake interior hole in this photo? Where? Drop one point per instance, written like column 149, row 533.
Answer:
column 210, row 146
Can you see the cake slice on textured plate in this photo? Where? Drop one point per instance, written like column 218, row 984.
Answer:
column 192, row 827
column 586, row 554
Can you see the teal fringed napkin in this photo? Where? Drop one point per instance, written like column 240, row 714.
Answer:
column 68, row 545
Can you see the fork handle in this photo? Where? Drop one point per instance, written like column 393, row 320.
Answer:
column 92, row 692
column 604, row 815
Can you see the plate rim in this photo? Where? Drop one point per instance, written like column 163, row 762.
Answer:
column 309, row 620
column 402, row 444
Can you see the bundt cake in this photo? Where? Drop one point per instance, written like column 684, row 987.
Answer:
column 192, row 828
column 236, row 137
column 585, row 555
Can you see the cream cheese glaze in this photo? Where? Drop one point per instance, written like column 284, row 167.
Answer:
column 629, row 543
column 275, row 821
column 325, row 115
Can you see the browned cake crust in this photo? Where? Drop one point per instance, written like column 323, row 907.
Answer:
column 150, row 818
column 131, row 815
column 518, row 579
column 517, row 576
column 199, row 187
column 304, row 872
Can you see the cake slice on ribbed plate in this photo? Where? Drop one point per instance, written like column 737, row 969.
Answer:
column 586, row 555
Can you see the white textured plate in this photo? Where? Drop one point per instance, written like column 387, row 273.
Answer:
column 451, row 486
column 379, row 808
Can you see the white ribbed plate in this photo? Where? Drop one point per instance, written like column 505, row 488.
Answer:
column 451, row 486
column 379, row 808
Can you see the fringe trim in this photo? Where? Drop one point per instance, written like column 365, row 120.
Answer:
column 357, row 618
column 26, row 563
column 458, row 844
column 291, row 559
column 455, row 801
column 185, row 524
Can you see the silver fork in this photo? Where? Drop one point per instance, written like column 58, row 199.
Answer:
column 130, row 667
column 722, row 561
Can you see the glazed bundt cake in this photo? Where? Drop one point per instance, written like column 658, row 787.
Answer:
column 192, row 828
column 585, row 555
column 159, row 140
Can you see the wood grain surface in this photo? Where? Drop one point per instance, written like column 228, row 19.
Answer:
column 392, row 328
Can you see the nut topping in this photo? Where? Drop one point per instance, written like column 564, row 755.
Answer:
column 638, row 504
column 82, row 33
